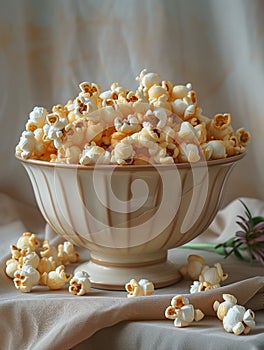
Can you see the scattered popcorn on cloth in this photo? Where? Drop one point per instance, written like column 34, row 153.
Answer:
column 182, row 312
column 204, row 277
column 135, row 288
column 236, row 318
column 158, row 123
column 80, row 283
column 32, row 263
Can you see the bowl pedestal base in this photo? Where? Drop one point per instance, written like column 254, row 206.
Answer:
column 114, row 275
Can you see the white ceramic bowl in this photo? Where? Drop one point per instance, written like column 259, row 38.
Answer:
column 129, row 216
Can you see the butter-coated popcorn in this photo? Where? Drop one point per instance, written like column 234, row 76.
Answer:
column 28, row 240
column 11, row 267
column 53, row 130
column 118, row 114
column 147, row 79
column 55, row 279
column 213, row 275
column 182, row 312
column 36, row 119
column 93, row 154
column 194, row 266
column 135, row 288
column 31, row 259
column 220, row 127
column 128, row 126
column 215, row 149
column 242, row 137
column 16, row 252
column 80, row 283
column 26, row 278
column 46, row 264
column 203, row 276
column 49, row 250
column 67, row 253
column 26, row 145
column 209, row 278
column 123, row 153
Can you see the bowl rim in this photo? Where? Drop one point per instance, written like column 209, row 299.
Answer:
column 222, row 161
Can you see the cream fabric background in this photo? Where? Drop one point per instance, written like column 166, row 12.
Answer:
column 48, row 47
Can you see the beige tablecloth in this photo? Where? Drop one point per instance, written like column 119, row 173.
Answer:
column 50, row 320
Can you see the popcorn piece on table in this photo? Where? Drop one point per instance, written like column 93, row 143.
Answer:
column 55, row 279
column 80, row 283
column 49, row 250
column 209, row 278
column 11, row 267
column 213, row 275
column 28, row 240
column 16, row 260
column 67, row 253
column 46, row 264
column 182, row 312
column 222, row 308
column 135, row 288
column 194, row 266
column 236, row 319
column 25, row 278
column 31, row 259
column 203, row 276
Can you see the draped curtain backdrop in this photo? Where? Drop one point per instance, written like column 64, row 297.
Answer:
column 48, row 47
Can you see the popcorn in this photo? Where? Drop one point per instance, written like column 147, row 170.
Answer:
column 49, row 251
column 93, row 154
column 28, row 266
column 46, row 265
column 236, row 319
column 212, row 276
column 194, row 266
column 205, row 277
column 182, row 312
column 55, row 279
column 28, row 240
column 25, row 278
column 239, row 320
column 31, row 259
column 209, row 278
column 36, row 118
column 147, row 80
column 67, row 253
column 222, row 308
column 26, row 145
column 214, row 149
column 11, row 267
column 135, row 288
column 95, row 122
column 123, row 153
column 80, row 283
column 53, row 130
column 220, row 128
column 128, row 126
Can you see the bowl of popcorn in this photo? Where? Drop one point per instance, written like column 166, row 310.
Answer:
column 129, row 174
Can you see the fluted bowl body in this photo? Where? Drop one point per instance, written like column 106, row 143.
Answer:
column 129, row 215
